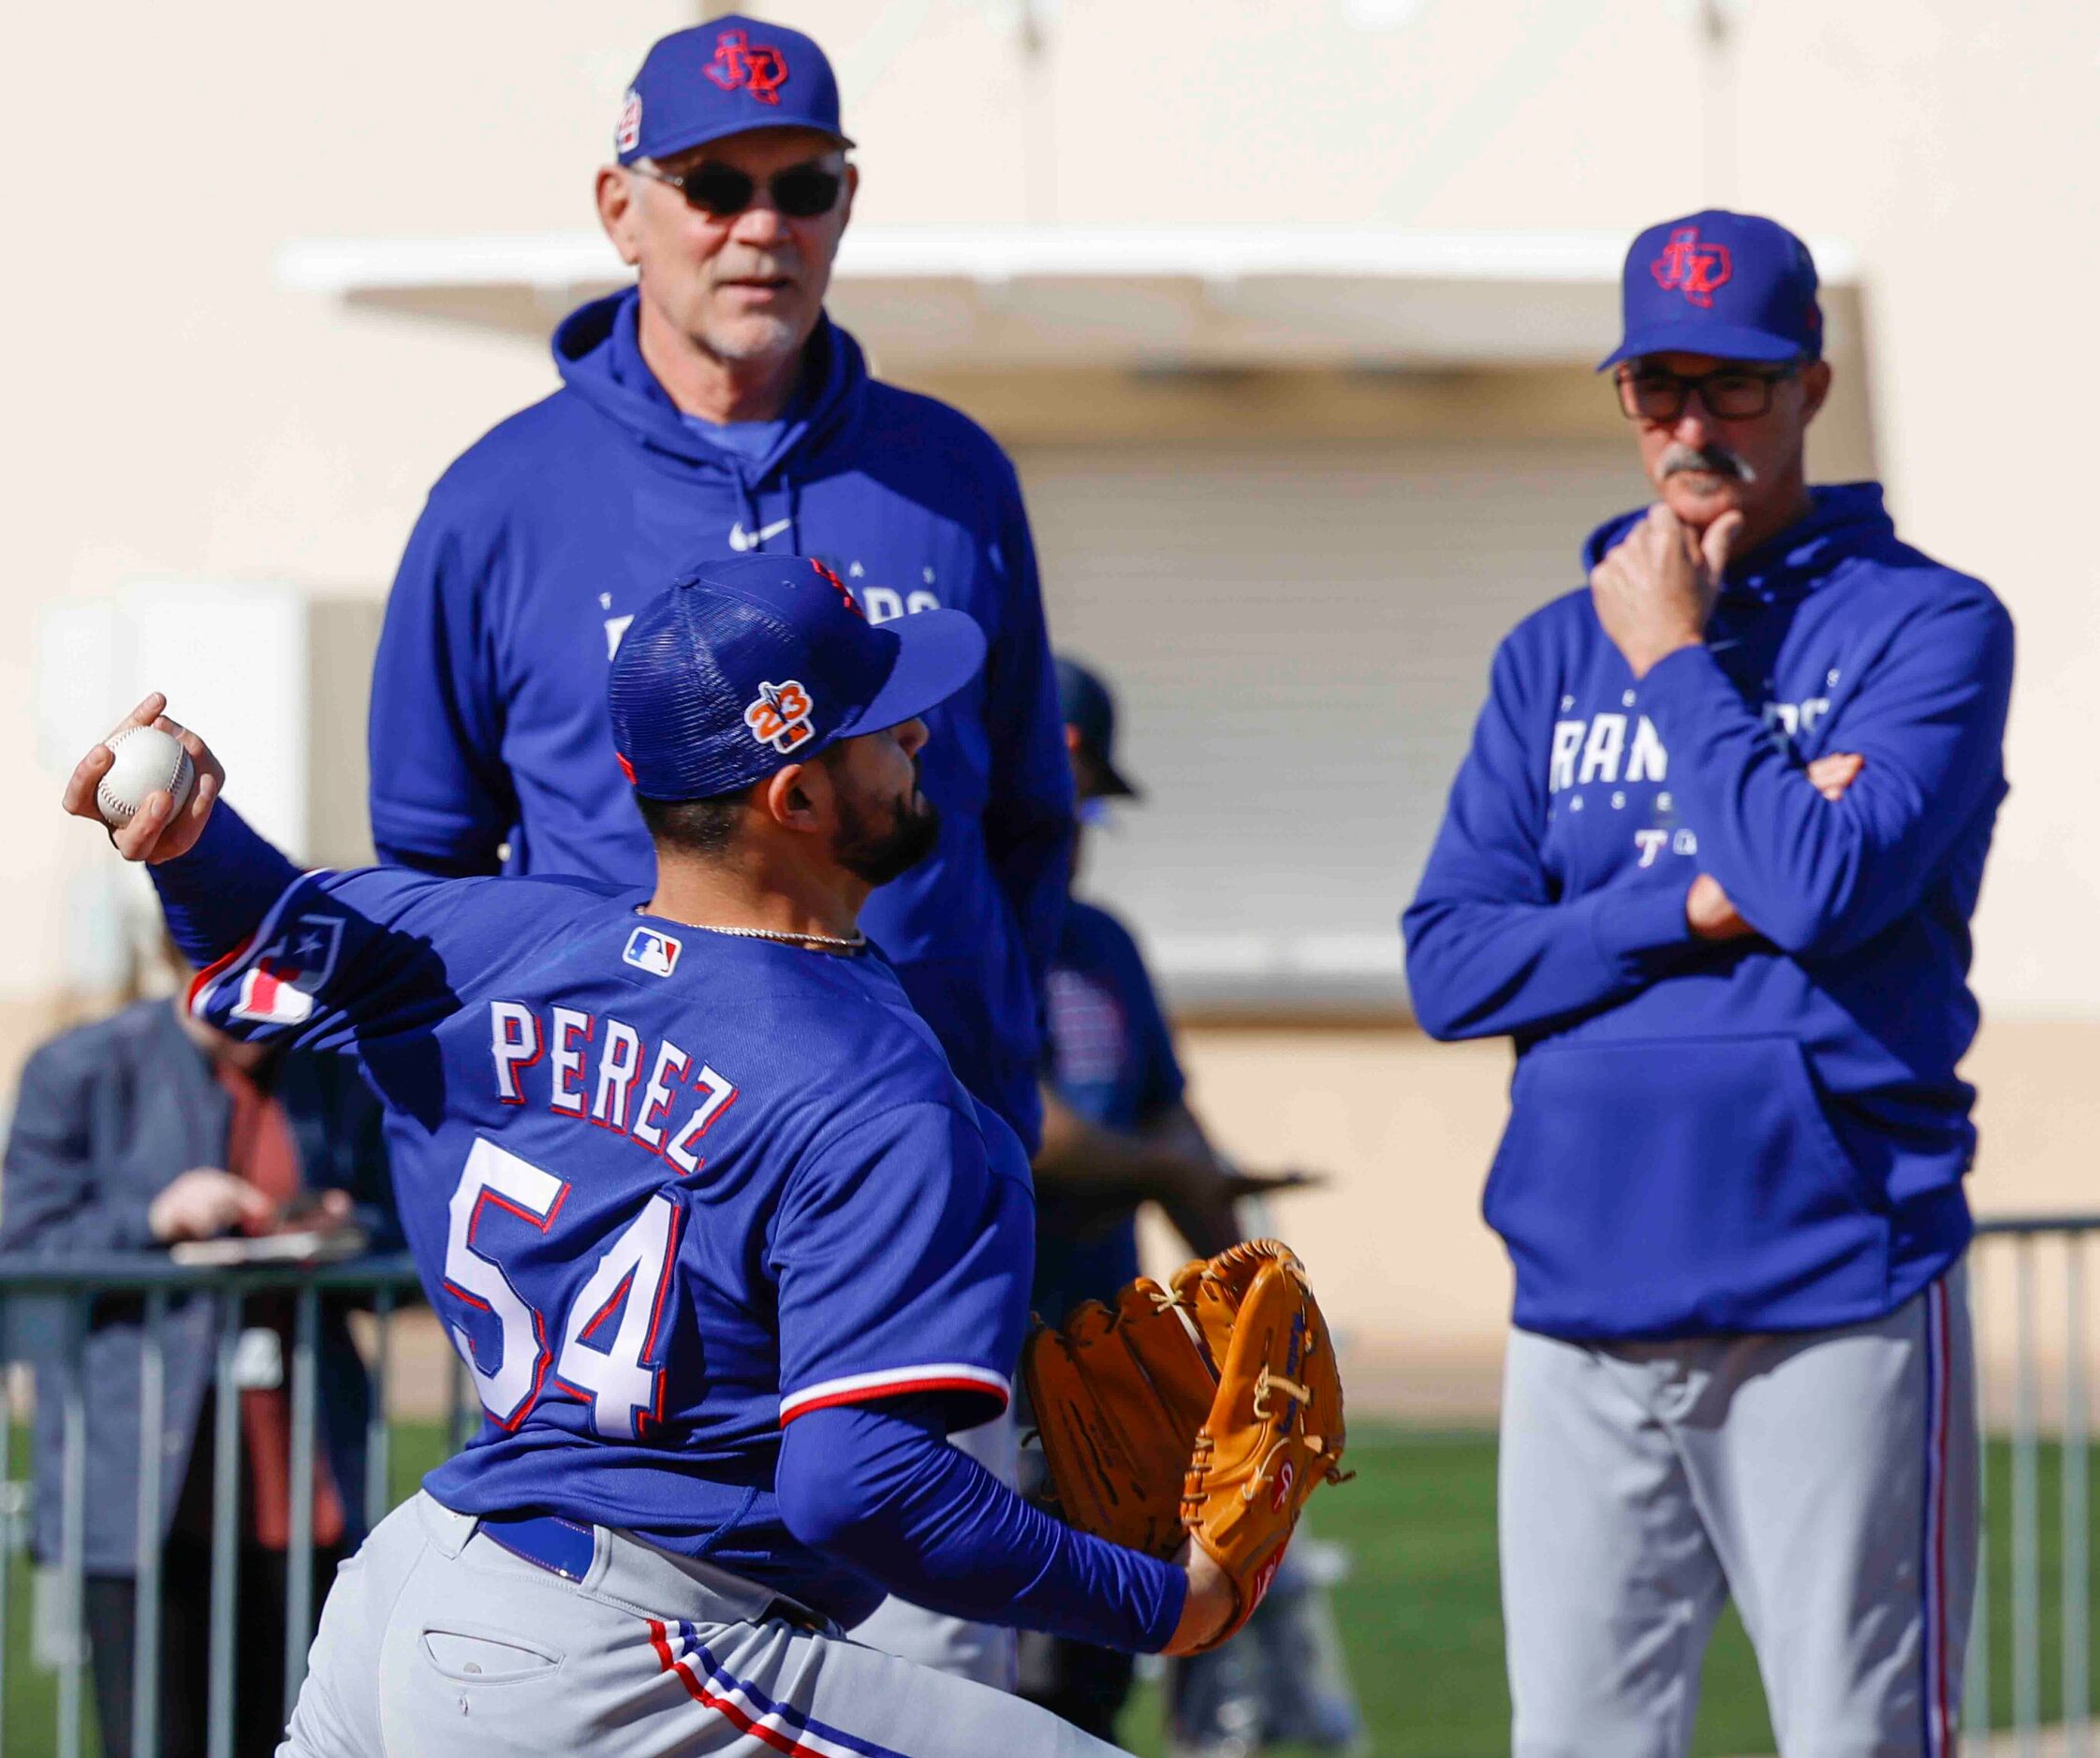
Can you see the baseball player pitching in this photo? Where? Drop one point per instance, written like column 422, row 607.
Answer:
column 1710, row 863
column 727, row 1244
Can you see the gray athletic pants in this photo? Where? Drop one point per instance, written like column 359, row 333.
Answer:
column 438, row 1640
column 1825, row 1480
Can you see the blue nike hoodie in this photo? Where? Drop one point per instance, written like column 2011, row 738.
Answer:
column 488, row 726
column 1758, row 1134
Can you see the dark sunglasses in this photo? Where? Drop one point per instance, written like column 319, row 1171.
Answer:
column 1730, row 393
column 801, row 192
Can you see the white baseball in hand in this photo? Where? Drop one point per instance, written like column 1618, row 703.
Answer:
column 147, row 760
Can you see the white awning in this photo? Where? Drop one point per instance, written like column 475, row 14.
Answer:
column 1012, row 296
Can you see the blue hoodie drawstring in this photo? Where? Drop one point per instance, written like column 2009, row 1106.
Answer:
column 752, row 518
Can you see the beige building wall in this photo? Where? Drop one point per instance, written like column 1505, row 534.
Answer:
column 174, row 413
column 177, row 413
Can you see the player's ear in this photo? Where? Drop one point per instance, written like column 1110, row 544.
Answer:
column 796, row 797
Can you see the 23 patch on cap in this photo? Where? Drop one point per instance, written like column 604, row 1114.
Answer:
column 780, row 716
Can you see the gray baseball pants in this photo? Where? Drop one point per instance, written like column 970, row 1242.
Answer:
column 1825, row 1480
column 436, row 1639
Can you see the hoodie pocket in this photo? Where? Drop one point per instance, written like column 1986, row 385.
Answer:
column 1670, row 1187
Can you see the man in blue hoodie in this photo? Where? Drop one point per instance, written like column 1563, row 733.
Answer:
column 1710, row 863
column 712, row 409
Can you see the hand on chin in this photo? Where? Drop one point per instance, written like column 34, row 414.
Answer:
column 1699, row 497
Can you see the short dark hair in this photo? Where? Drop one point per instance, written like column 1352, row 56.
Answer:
column 709, row 827
column 696, row 826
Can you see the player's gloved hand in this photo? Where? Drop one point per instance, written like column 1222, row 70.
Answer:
column 1118, row 1396
column 156, row 832
column 1209, row 1408
column 1274, row 1432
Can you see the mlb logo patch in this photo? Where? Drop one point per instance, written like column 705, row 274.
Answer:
column 652, row 951
column 279, row 989
column 628, row 133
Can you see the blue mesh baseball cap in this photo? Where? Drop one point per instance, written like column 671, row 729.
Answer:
column 720, row 79
column 1734, row 285
column 749, row 664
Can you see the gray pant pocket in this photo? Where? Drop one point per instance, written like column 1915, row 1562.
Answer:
column 474, row 1658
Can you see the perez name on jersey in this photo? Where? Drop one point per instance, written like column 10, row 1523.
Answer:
column 588, row 1067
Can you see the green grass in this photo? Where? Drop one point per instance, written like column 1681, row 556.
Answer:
column 1419, row 1613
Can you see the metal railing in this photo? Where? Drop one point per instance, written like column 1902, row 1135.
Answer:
column 2032, row 1249
column 45, row 1309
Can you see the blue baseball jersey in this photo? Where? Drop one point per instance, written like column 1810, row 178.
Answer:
column 667, row 1189
column 1110, row 1057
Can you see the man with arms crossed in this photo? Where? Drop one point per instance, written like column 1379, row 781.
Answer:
column 729, row 1247
column 1710, row 863
column 713, row 410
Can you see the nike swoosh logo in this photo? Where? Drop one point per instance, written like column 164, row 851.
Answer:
column 740, row 540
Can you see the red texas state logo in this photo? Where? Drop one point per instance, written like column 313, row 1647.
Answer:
column 741, row 65
column 1696, row 268
column 780, row 716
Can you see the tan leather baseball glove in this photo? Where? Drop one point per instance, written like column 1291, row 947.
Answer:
column 1207, row 1410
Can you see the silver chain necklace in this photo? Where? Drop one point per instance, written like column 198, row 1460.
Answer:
column 853, row 944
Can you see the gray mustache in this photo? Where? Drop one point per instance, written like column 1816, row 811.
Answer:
column 1716, row 460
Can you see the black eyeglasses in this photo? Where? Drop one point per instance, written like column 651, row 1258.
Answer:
column 1731, row 393
column 801, row 192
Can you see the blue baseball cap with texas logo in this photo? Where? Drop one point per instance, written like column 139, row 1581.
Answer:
column 724, row 77
column 1734, row 285
column 748, row 664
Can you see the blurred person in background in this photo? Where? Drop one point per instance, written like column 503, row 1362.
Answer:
column 714, row 409
column 1710, row 862
column 1117, row 1133
column 132, row 1134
